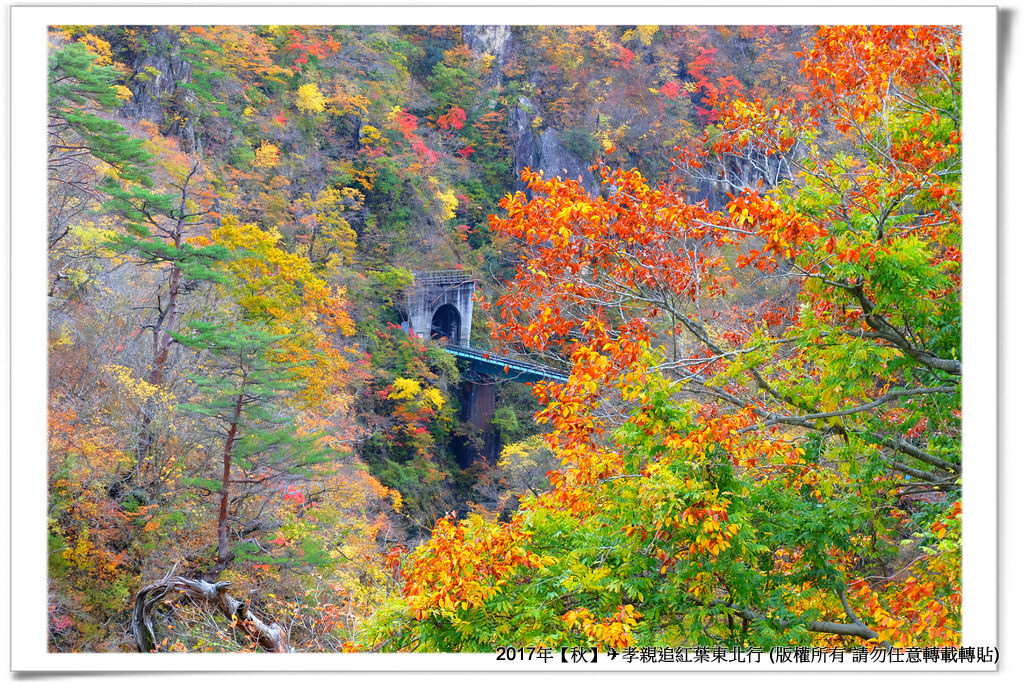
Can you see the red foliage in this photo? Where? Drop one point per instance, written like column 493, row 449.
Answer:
column 670, row 89
column 307, row 46
column 455, row 119
column 625, row 58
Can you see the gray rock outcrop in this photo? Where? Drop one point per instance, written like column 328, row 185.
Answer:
column 490, row 40
column 556, row 160
column 156, row 85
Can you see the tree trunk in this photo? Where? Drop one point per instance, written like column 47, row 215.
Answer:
column 165, row 323
column 161, row 351
column 224, row 556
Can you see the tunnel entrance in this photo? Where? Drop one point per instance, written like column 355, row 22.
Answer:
column 446, row 322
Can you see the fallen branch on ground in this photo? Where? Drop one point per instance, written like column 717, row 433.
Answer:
column 270, row 637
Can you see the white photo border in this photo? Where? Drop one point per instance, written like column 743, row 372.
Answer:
column 28, row 477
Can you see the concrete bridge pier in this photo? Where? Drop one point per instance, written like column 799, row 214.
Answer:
column 478, row 404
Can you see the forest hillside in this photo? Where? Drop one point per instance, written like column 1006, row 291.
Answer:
column 731, row 253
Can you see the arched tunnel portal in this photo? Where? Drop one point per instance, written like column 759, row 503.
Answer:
column 446, row 323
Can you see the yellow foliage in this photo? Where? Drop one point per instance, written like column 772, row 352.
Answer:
column 268, row 156
column 643, row 34
column 369, row 135
column 80, row 555
column 344, row 104
column 63, row 338
column 98, row 47
column 270, row 278
column 332, row 231
column 524, row 465
column 309, row 99
column 137, row 388
column 404, row 388
column 282, row 288
column 367, row 177
column 407, row 389
column 433, row 396
column 90, row 237
column 520, row 456
column 123, row 93
column 58, row 36
column 456, row 57
column 448, row 204
column 87, row 557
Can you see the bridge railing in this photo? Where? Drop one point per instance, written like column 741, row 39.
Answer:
column 496, row 361
column 442, row 277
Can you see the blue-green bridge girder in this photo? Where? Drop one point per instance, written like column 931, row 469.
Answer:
column 503, row 367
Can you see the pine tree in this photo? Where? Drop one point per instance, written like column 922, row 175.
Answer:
column 155, row 223
column 88, row 153
column 158, row 225
column 243, row 396
column 80, row 92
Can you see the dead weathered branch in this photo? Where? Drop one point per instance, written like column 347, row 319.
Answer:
column 214, row 598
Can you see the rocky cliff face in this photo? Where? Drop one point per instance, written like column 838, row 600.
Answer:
column 155, row 87
column 524, row 148
column 555, row 160
column 544, row 152
column 496, row 41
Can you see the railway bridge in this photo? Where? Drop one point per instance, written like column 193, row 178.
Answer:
column 439, row 306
